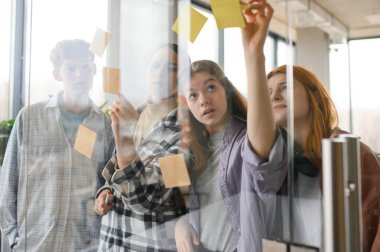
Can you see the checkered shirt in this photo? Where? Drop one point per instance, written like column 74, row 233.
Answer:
column 144, row 212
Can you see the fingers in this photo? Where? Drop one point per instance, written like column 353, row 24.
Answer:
column 258, row 9
column 270, row 11
column 125, row 101
column 109, row 199
column 101, row 207
column 124, row 109
column 194, row 238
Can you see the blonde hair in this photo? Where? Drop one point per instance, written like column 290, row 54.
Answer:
column 323, row 112
column 236, row 106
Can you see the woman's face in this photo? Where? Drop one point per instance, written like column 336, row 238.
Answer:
column 162, row 74
column 277, row 90
column 207, row 101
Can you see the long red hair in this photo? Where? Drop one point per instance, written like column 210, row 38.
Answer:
column 323, row 112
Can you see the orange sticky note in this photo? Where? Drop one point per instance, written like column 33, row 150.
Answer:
column 174, row 171
column 273, row 246
column 227, row 13
column 186, row 29
column 85, row 141
column 100, row 42
column 111, row 80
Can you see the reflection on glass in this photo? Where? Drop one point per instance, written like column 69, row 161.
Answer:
column 142, row 211
column 48, row 184
column 233, row 195
column 206, row 44
column 234, row 59
column 85, row 17
column 5, row 20
column 315, row 118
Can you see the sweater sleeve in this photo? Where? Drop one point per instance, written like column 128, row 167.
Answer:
column 265, row 176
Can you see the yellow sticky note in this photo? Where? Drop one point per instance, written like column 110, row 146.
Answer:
column 111, row 80
column 186, row 29
column 174, row 171
column 227, row 13
column 85, row 141
column 100, row 42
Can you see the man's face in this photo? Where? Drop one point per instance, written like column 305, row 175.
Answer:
column 76, row 75
column 162, row 74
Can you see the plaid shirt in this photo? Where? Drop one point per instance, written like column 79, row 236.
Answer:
column 143, row 211
column 47, row 187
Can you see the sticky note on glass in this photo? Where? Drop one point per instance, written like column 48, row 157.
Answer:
column 100, row 42
column 227, row 13
column 273, row 246
column 189, row 29
column 85, row 141
column 111, row 80
column 174, row 171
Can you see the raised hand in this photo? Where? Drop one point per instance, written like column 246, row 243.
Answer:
column 124, row 118
column 261, row 127
column 258, row 17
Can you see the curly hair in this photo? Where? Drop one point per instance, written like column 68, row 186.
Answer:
column 70, row 49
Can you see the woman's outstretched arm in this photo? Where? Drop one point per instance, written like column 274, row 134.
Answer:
column 261, row 126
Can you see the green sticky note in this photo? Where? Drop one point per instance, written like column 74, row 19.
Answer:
column 227, row 13
column 186, row 29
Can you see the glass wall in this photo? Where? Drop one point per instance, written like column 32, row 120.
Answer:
column 364, row 89
column 168, row 162
column 340, row 83
column 5, row 46
column 206, row 45
column 50, row 24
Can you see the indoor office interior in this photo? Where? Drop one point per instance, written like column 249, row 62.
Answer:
column 71, row 188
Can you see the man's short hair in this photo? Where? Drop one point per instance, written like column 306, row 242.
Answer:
column 69, row 50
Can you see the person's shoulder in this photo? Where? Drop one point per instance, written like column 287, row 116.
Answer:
column 31, row 109
column 171, row 118
column 365, row 150
column 236, row 124
column 337, row 132
column 168, row 123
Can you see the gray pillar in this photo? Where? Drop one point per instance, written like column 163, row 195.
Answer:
column 313, row 52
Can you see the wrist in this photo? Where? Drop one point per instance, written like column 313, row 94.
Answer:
column 255, row 56
column 126, row 157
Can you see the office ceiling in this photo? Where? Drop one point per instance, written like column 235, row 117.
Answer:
column 360, row 17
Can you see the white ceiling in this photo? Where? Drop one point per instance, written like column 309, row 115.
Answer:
column 360, row 17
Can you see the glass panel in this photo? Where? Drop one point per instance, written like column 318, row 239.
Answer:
column 234, row 64
column 364, row 78
column 340, row 83
column 206, row 44
column 46, row 34
column 346, row 84
column 61, row 140
column 172, row 163
column 5, row 20
column 281, row 53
